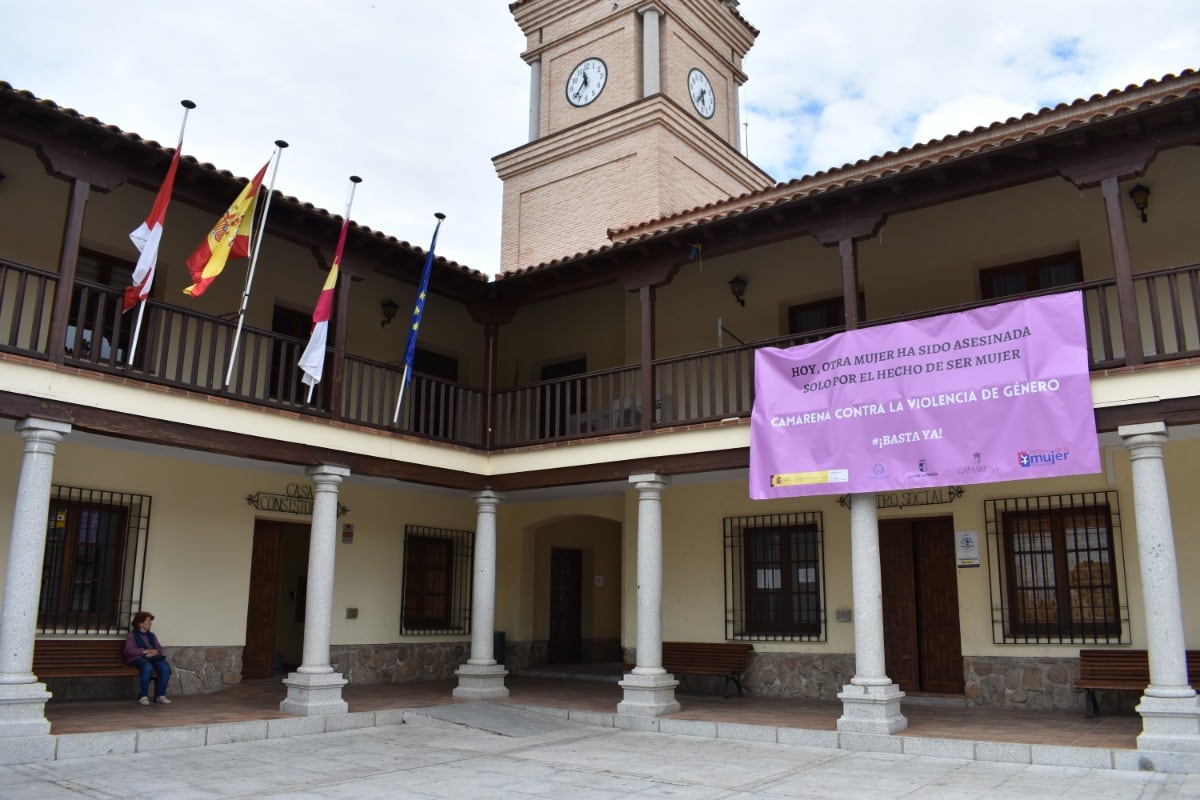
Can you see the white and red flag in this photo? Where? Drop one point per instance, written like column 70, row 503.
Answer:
column 312, row 361
column 146, row 238
column 229, row 238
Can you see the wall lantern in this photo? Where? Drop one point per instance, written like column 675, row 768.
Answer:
column 1140, row 196
column 389, row 309
column 737, row 285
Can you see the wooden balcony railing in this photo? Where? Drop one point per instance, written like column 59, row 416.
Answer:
column 192, row 351
column 592, row 404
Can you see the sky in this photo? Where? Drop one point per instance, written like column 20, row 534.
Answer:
column 418, row 97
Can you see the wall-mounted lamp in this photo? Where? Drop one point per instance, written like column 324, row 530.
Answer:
column 737, row 285
column 1140, row 196
column 389, row 309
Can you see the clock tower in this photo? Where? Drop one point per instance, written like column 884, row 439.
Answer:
column 633, row 115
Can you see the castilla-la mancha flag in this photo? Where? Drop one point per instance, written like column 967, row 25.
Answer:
column 312, row 361
column 229, row 238
column 147, row 236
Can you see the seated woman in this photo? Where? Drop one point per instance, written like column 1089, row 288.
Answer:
column 144, row 651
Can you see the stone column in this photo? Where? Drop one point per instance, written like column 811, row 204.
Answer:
column 651, row 50
column 314, row 688
column 22, row 697
column 870, row 702
column 649, row 689
column 535, row 98
column 1169, row 707
column 481, row 678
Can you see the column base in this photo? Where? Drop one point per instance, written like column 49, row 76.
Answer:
column 1170, row 723
column 479, row 682
column 312, row 695
column 23, row 710
column 871, row 709
column 648, row 695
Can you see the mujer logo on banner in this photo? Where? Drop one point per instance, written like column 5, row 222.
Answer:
column 991, row 394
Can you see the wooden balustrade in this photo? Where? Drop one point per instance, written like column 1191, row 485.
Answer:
column 192, row 351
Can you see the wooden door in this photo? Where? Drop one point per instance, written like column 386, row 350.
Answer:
column 899, row 604
column 922, row 644
column 262, row 605
column 566, row 606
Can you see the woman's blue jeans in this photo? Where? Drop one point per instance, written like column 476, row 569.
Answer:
column 146, row 668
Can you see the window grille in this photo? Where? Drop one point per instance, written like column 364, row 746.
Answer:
column 94, row 562
column 437, row 581
column 1057, row 569
column 775, row 578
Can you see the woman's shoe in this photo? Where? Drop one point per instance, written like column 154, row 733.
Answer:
column 143, row 701
column 163, row 699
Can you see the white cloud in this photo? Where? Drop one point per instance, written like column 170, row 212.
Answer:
column 418, row 97
column 836, row 83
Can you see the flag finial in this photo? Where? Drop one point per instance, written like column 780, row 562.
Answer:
column 280, row 143
column 188, row 104
column 355, row 179
column 439, row 215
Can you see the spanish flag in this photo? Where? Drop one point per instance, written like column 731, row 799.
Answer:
column 229, row 238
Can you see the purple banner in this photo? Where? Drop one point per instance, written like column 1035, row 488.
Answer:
column 992, row 394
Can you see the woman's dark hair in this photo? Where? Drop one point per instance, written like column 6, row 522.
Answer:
column 140, row 617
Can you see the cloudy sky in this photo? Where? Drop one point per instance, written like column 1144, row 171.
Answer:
column 417, row 97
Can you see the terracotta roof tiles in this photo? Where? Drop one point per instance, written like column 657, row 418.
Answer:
column 71, row 113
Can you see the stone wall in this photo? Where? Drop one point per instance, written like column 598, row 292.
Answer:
column 399, row 663
column 808, row 675
column 1038, row 684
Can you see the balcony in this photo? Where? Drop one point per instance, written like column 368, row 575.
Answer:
column 191, row 352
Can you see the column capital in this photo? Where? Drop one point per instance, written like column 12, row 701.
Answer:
column 1145, row 439
column 487, row 498
column 327, row 473
column 30, row 427
column 650, row 481
column 651, row 8
column 1142, row 429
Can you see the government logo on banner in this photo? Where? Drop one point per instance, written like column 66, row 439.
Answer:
column 992, row 394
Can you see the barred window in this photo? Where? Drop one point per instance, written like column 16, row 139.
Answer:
column 437, row 580
column 774, row 581
column 94, row 561
column 1058, row 569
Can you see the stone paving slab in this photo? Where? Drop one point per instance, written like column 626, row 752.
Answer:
column 430, row 759
column 498, row 718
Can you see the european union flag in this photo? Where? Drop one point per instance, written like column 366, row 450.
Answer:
column 410, row 351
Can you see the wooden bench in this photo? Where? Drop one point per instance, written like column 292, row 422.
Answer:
column 80, row 658
column 723, row 659
column 1121, row 670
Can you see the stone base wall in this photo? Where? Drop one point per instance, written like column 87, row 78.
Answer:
column 194, row 670
column 1039, row 684
column 399, row 663
column 807, row 675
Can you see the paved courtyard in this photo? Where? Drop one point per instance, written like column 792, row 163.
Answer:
column 486, row 750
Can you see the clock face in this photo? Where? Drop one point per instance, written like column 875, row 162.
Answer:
column 702, row 94
column 586, row 81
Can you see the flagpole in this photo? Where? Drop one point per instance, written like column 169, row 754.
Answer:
column 188, row 105
column 354, row 182
column 421, row 288
column 280, row 144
